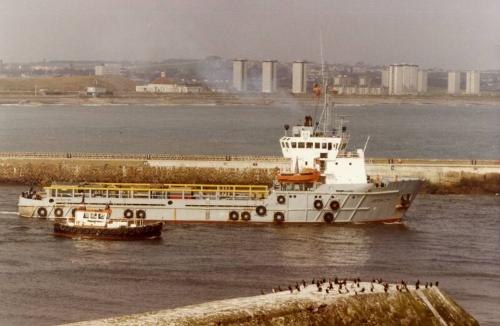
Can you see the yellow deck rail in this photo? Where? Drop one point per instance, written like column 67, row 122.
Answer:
column 158, row 191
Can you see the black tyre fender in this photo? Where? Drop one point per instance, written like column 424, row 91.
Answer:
column 234, row 216
column 58, row 212
column 279, row 217
column 334, row 205
column 318, row 204
column 328, row 217
column 281, row 199
column 245, row 216
column 140, row 214
column 128, row 213
column 261, row 210
column 42, row 212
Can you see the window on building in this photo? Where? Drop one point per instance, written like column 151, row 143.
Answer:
column 294, row 145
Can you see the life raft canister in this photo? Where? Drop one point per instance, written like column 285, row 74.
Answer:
column 140, row 214
column 58, row 212
column 281, row 199
column 334, row 205
column 279, row 217
column 328, row 217
column 233, row 215
column 245, row 216
column 128, row 213
column 261, row 210
column 318, row 204
column 42, row 212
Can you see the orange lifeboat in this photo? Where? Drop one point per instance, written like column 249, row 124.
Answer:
column 306, row 176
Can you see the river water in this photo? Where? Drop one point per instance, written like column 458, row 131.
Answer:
column 451, row 239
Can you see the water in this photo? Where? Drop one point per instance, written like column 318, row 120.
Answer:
column 46, row 280
column 404, row 131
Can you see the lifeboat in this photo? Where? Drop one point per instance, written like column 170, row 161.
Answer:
column 306, row 176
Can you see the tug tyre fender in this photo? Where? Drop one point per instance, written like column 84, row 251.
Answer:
column 42, row 212
column 140, row 214
column 245, row 216
column 318, row 204
column 279, row 217
column 233, row 215
column 73, row 212
column 334, row 205
column 281, row 199
column 328, row 217
column 261, row 210
column 128, row 213
column 58, row 212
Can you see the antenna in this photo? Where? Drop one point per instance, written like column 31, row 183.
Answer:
column 366, row 144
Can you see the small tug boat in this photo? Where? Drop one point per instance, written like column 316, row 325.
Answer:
column 97, row 224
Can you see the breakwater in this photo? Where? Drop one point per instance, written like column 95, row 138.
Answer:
column 442, row 176
column 362, row 303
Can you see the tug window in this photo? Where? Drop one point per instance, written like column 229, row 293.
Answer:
column 323, row 145
column 309, row 145
column 316, row 145
column 301, row 145
column 287, row 145
column 294, row 145
column 329, row 146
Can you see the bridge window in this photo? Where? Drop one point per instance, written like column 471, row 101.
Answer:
column 301, row 144
column 309, row 145
column 329, row 146
column 294, row 145
column 323, row 145
column 316, row 145
column 287, row 145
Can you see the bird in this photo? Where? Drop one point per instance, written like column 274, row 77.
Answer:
column 362, row 289
column 313, row 281
column 437, row 283
column 279, row 288
column 290, row 288
column 304, row 283
column 327, row 291
column 417, row 285
column 262, row 292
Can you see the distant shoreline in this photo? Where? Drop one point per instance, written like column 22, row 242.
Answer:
column 10, row 99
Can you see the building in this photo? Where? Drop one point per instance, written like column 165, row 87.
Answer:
column 269, row 79
column 108, row 69
column 240, row 77
column 364, row 81
column 403, row 79
column 472, row 83
column 299, row 77
column 385, row 78
column 453, row 82
column 422, row 82
column 342, row 81
column 357, row 90
column 165, row 85
column 95, row 91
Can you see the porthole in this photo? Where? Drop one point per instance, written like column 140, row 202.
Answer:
column 350, row 163
column 170, row 202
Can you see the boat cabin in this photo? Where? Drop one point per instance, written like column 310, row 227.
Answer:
column 96, row 217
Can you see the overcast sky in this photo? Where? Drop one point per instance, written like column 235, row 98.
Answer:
column 432, row 33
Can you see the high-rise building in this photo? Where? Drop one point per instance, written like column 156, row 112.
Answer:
column 269, row 79
column 240, row 74
column 108, row 69
column 299, row 77
column 472, row 83
column 385, row 78
column 422, row 82
column 403, row 79
column 454, row 82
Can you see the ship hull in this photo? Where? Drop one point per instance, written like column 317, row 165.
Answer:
column 145, row 232
column 299, row 207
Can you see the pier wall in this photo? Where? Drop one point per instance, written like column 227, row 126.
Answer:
column 415, row 307
column 44, row 168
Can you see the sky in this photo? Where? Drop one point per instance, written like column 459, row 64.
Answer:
column 450, row 34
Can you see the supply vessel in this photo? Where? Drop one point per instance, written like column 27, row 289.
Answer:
column 325, row 183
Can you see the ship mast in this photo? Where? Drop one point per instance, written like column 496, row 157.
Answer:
column 327, row 117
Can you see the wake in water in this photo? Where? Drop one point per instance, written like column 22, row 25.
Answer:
column 8, row 213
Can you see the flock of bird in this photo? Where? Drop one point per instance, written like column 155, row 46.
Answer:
column 355, row 286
